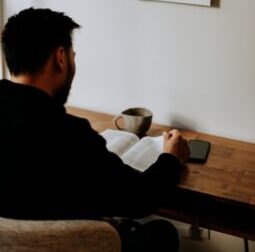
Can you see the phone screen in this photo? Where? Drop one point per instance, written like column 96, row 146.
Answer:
column 199, row 150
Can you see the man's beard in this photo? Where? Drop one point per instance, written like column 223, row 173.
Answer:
column 62, row 94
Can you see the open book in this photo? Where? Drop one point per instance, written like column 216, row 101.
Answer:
column 138, row 153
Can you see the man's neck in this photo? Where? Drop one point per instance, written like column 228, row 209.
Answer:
column 32, row 80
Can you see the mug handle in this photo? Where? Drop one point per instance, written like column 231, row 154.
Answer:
column 115, row 121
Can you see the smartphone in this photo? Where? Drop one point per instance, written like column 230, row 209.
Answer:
column 199, row 150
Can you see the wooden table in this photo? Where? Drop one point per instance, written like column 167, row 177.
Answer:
column 218, row 195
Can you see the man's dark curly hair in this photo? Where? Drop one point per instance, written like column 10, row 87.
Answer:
column 30, row 37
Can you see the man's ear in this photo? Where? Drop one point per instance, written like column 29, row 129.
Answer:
column 60, row 58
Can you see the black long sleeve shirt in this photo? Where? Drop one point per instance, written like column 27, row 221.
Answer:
column 55, row 166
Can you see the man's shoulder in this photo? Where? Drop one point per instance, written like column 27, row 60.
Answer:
column 80, row 129
column 78, row 125
column 77, row 121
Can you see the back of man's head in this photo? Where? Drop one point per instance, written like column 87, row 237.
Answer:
column 30, row 37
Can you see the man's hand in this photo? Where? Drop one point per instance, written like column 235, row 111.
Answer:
column 176, row 145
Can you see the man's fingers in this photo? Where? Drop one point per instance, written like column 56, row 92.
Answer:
column 175, row 133
column 165, row 135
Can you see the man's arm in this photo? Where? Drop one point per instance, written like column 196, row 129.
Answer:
column 119, row 189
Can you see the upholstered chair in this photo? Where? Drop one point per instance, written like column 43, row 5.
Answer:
column 58, row 236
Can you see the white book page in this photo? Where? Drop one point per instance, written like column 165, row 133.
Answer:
column 118, row 141
column 144, row 153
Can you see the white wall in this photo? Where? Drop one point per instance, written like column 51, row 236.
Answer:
column 192, row 66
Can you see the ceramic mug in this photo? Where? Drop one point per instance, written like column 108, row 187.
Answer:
column 136, row 120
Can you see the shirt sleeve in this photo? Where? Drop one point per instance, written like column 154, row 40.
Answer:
column 118, row 189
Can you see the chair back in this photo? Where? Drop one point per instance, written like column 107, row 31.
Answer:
column 58, row 236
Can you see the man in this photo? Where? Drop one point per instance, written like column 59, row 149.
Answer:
column 54, row 165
